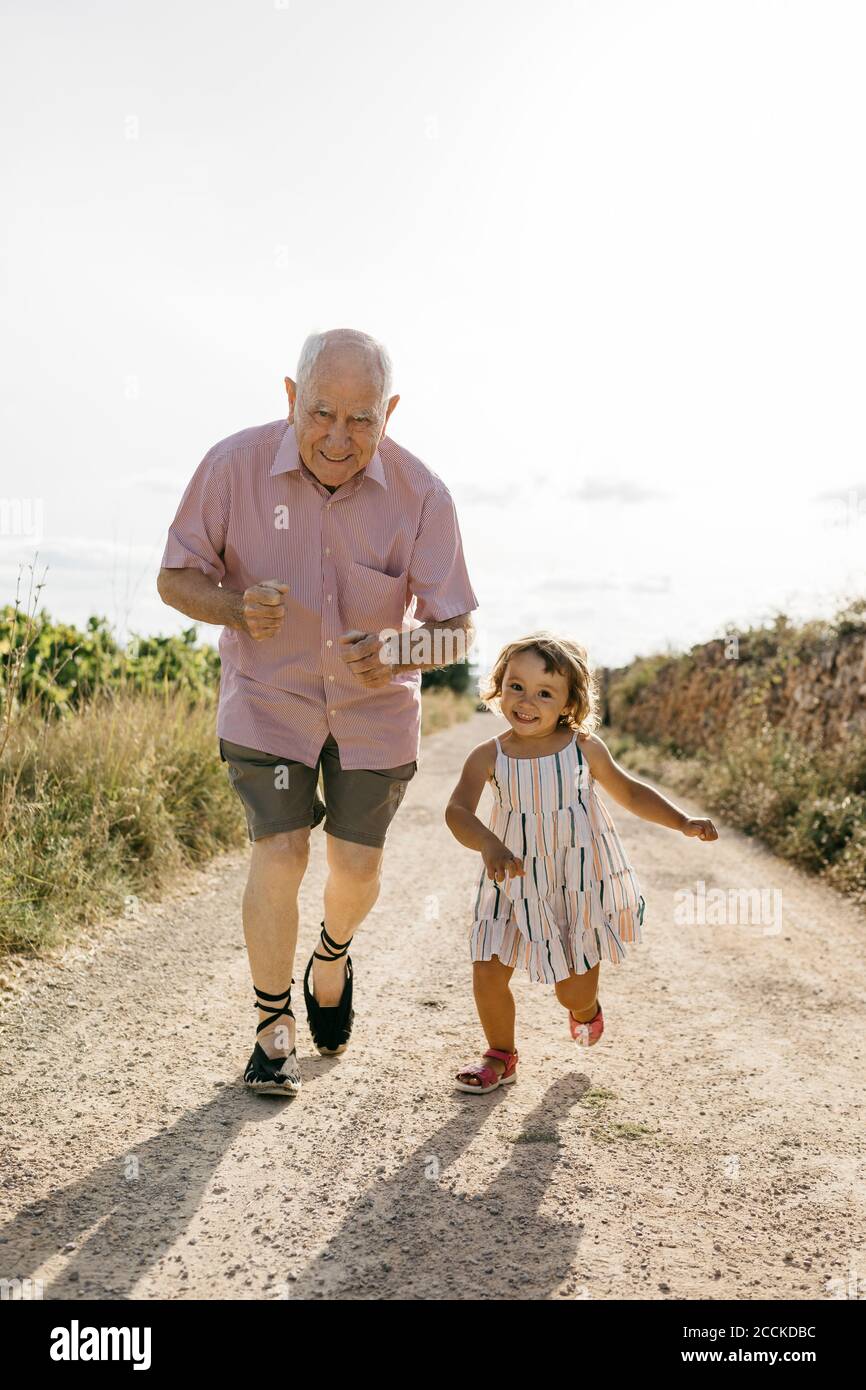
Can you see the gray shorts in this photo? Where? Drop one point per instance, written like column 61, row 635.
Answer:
column 279, row 794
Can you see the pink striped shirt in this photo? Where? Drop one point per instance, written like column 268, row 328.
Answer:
column 382, row 551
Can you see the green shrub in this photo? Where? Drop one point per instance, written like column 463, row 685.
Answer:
column 60, row 667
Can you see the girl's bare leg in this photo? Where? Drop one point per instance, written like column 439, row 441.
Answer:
column 579, row 994
column 495, row 1004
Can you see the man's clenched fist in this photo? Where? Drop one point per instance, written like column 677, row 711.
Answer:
column 363, row 653
column 263, row 609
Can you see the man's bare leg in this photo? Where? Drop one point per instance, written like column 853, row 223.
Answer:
column 351, row 889
column 270, row 916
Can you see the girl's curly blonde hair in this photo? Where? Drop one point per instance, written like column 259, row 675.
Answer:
column 559, row 654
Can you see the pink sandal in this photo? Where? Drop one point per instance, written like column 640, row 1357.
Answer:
column 489, row 1076
column 586, row 1034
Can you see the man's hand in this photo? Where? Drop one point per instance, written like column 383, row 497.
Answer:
column 263, row 609
column 361, row 652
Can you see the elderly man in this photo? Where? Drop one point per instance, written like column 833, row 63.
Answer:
column 358, row 539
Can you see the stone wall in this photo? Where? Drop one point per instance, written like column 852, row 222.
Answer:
column 809, row 680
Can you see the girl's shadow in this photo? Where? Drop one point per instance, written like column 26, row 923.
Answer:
column 413, row 1236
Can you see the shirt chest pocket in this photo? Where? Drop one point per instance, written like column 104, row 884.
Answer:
column 371, row 600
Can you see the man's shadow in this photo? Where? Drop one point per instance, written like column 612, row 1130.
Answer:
column 136, row 1204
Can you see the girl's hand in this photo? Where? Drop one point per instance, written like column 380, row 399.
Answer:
column 499, row 861
column 700, row 827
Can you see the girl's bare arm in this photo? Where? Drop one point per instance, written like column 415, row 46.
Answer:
column 636, row 796
column 465, row 826
column 460, row 814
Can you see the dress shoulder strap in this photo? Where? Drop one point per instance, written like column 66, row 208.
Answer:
column 581, row 759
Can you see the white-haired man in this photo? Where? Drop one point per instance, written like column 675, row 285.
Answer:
column 359, row 538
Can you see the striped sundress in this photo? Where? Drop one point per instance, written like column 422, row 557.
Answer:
column 579, row 900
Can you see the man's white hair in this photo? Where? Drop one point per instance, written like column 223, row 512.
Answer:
column 315, row 344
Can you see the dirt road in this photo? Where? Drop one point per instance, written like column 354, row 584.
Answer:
column 710, row 1146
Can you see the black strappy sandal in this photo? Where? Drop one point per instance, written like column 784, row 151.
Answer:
column 274, row 1076
column 331, row 1027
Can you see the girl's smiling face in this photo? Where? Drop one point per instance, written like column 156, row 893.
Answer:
column 532, row 698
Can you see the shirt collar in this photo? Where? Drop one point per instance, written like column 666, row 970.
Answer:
column 288, row 459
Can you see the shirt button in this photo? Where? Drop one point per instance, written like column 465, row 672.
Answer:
column 333, row 711
column 329, row 643
column 327, row 550
column 330, row 678
column 329, row 598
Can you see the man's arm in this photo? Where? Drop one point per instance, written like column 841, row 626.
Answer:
column 440, row 642
column 200, row 597
column 375, row 661
column 258, row 611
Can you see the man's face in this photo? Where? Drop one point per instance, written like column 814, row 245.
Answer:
column 339, row 416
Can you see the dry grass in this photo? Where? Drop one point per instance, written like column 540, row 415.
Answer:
column 107, row 803
column 440, row 708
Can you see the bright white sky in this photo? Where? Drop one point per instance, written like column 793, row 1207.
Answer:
column 615, row 248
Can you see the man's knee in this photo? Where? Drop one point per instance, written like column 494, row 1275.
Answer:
column 288, row 851
column 360, row 862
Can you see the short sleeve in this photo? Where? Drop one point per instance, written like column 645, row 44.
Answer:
column 197, row 536
column 437, row 572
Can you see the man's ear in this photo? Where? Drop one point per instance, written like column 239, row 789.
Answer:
column 391, row 404
column 292, row 393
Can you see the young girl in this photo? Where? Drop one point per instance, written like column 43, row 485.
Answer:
column 556, row 893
